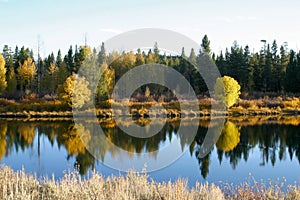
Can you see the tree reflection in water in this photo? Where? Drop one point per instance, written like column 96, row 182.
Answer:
column 276, row 139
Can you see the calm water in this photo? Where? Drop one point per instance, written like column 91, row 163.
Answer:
column 264, row 148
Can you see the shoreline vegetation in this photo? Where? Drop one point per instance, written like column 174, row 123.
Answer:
column 134, row 185
column 40, row 108
column 45, row 87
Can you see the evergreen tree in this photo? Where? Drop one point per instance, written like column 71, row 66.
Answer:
column 213, row 57
column 7, row 55
column 23, row 55
column 291, row 73
column 156, row 52
column 51, row 59
column 259, row 72
column 59, row 58
column 276, row 68
column 220, row 62
column 237, row 66
column 267, row 71
column 77, row 60
column 102, row 54
column 69, row 60
column 10, row 71
column 254, row 73
column 15, row 58
column 297, row 73
column 193, row 57
column 84, row 53
column 183, row 56
column 284, row 60
column 62, row 73
column 205, row 46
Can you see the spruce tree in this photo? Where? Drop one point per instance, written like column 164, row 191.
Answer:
column 205, row 46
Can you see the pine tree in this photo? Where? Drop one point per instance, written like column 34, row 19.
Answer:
column 254, row 73
column 84, row 53
column 259, row 80
column 62, row 73
column 77, row 60
column 297, row 73
column 291, row 73
column 276, row 68
column 59, row 59
column 15, row 58
column 69, row 60
column 183, row 53
column 267, row 71
column 205, row 46
column 193, row 57
column 237, row 66
column 102, row 54
column 284, row 60
column 156, row 52
column 23, row 55
column 10, row 71
column 220, row 62
column 7, row 55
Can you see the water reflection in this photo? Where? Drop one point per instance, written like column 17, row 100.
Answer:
column 276, row 138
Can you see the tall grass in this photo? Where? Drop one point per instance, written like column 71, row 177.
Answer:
column 18, row 185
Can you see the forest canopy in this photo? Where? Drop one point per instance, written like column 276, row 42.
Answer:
column 273, row 69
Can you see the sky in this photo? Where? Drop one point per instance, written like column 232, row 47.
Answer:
column 61, row 23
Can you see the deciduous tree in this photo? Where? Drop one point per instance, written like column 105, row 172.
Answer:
column 26, row 72
column 3, row 83
column 79, row 96
column 227, row 90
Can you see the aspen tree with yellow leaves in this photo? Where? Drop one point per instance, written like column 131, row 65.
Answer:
column 3, row 83
column 26, row 72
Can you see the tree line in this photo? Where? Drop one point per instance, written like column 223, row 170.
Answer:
column 272, row 69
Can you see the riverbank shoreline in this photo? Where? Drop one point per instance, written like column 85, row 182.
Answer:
column 56, row 109
column 144, row 113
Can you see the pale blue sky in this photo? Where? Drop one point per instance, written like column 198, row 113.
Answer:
column 61, row 23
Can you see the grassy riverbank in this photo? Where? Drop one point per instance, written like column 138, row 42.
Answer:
column 18, row 185
column 41, row 108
